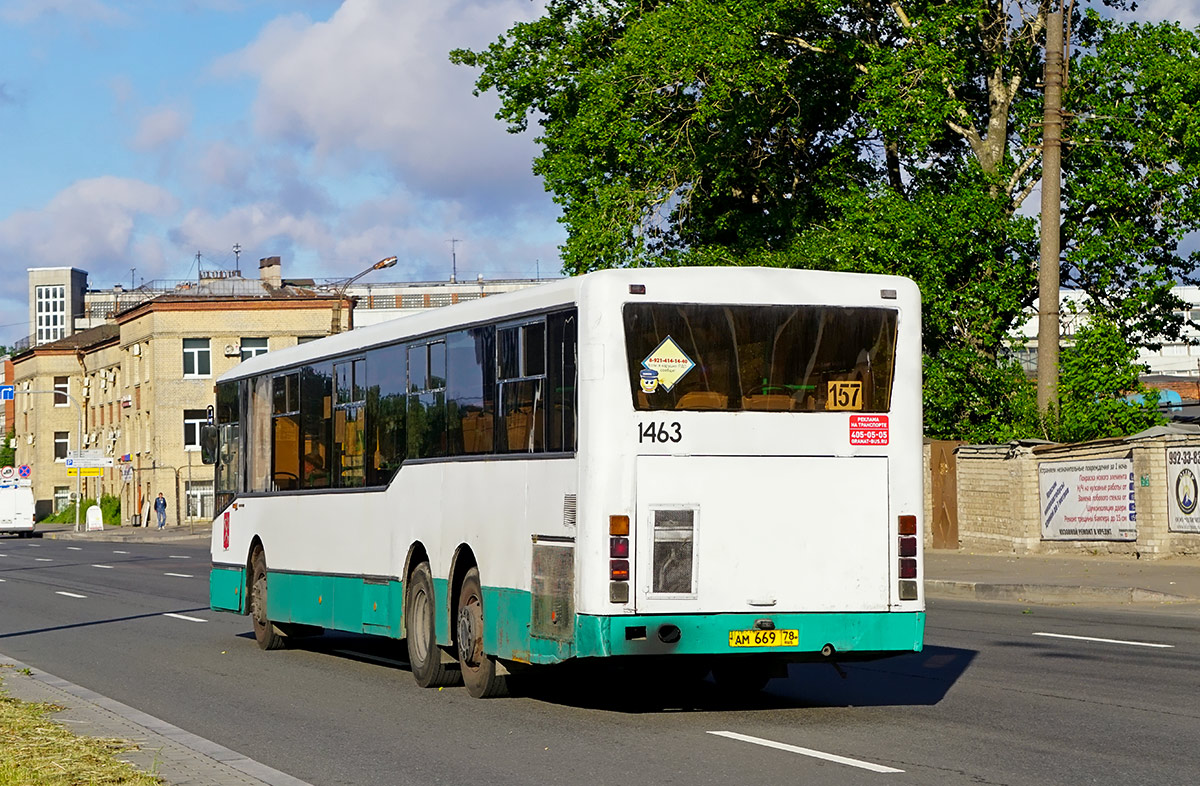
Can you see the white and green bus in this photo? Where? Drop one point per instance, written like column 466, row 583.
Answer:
column 716, row 466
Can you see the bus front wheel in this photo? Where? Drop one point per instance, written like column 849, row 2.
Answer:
column 478, row 668
column 264, row 630
column 423, row 653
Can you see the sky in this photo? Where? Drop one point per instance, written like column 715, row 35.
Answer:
column 136, row 134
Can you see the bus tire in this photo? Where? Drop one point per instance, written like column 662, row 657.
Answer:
column 424, row 656
column 264, row 630
column 478, row 668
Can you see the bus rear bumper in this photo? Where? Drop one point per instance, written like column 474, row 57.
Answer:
column 850, row 634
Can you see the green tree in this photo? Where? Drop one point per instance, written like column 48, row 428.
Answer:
column 869, row 136
column 1099, row 377
column 8, row 454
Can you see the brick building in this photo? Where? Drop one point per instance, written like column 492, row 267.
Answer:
column 138, row 388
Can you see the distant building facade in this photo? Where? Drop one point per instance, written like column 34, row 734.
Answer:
column 132, row 374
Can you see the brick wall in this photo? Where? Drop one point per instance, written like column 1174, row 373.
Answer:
column 999, row 506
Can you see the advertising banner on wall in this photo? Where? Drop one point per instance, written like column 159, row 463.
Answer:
column 1183, row 471
column 1087, row 500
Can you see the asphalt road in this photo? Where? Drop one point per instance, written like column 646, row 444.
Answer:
column 999, row 696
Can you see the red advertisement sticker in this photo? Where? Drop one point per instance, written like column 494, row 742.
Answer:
column 868, row 429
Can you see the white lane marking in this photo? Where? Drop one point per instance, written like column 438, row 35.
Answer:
column 183, row 617
column 177, row 556
column 3, row 580
column 42, row 559
column 179, row 575
column 106, row 567
column 70, row 594
column 120, row 552
column 783, row 746
column 3, row 555
column 74, row 548
column 1107, row 641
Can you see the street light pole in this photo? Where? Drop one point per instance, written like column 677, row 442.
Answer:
column 78, row 444
column 335, row 325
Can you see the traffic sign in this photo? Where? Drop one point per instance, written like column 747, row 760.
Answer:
column 24, row 470
column 8, row 392
column 88, row 458
column 8, row 473
column 83, row 472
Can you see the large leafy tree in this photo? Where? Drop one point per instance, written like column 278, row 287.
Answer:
column 869, row 135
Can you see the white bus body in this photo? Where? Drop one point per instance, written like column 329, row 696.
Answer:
column 17, row 507
column 630, row 493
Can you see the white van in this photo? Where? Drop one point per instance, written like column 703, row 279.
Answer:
column 16, row 508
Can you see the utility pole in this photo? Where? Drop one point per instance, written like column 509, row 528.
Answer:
column 1048, row 269
column 453, row 259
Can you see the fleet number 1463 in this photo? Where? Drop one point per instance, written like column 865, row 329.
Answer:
column 660, row 432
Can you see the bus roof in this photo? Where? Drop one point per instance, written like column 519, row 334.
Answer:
column 558, row 292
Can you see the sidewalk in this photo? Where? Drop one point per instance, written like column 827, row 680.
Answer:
column 1061, row 579
column 200, row 531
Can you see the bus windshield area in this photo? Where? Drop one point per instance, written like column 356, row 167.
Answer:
column 773, row 358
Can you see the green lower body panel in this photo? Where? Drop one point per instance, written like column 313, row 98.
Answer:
column 708, row 634
column 226, row 589
column 376, row 606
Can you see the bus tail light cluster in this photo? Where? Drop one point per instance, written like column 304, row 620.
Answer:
column 906, row 551
column 618, row 559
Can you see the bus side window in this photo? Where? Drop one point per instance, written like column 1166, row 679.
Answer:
column 561, row 350
column 426, row 416
column 471, row 391
column 285, row 433
column 386, row 443
column 521, row 368
column 316, row 394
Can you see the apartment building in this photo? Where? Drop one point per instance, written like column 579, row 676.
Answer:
column 129, row 371
column 138, row 388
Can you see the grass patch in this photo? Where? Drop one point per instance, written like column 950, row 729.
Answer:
column 36, row 751
column 110, row 508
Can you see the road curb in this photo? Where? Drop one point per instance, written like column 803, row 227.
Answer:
column 1047, row 593
column 113, row 537
column 167, row 751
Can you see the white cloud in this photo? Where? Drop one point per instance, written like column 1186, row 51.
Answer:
column 160, row 128
column 1186, row 12
column 376, row 79
column 91, row 223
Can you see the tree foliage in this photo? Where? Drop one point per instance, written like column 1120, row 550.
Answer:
column 870, row 136
column 1099, row 372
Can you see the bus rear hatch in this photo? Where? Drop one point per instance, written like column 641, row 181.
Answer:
column 761, row 534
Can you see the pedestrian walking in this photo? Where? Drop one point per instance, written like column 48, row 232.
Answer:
column 160, row 509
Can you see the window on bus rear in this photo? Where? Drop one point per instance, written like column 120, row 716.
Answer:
column 772, row 358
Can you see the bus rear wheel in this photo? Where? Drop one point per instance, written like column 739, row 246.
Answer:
column 264, row 630
column 423, row 653
column 478, row 668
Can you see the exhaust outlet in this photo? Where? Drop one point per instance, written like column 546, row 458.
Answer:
column 669, row 634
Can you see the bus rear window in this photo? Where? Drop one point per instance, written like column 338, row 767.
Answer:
column 759, row 358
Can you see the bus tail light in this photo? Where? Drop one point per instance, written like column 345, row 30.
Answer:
column 906, row 551
column 618, row 565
